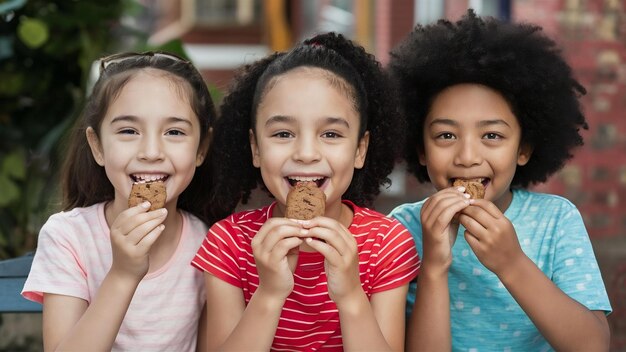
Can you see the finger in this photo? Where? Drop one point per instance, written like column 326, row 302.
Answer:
column 338, row 238
column 442, row 200
column 273, row 231
column 148, row 240
column 447, row 193
column 329, row 253
column 472, row 241
column 443, row 213
column 332, row 232
column 484, row 213
column 283, row 248
column 488, row 207
column 472, row 225
column 138, row 233
column 125, row 224
column 279, row 233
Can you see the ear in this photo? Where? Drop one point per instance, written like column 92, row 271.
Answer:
column 94, row 144
column 524, row 154
column 361, row 151
column 203, row 148
column 421, row 155
column 256, row 158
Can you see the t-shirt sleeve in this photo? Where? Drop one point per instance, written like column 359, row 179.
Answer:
column 218, row 253
column 576, row 270
column 409, row 216
column 398, row 262
column 57, row 267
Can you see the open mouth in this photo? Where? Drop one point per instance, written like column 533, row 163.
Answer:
column 483, row 180
column 147, row 178
column 293, row 180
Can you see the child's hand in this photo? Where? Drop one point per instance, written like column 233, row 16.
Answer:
column 275, row 249
column 339, row 249
column 491, row 236
column 440, row 225
column 132, row 234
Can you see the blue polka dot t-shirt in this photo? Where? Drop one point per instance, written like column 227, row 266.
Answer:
column 484, row 316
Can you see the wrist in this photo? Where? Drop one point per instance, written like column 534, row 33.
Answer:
column 514, row 269
column 352, row 303
column 268, row 299
column 123, row 281
column 434, row 270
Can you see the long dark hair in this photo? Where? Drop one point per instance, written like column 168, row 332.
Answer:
column 84, row 182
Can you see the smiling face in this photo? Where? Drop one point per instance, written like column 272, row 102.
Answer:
column 307, row 130
column 471, row 133
column 149, row 133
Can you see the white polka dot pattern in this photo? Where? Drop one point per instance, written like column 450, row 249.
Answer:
column 484, row 316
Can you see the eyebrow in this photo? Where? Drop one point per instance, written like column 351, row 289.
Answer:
column 132, row 118
column 329, row 120
column 482, row 123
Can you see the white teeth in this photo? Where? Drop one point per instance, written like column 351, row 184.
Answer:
column 305, row 179
column 143, row 178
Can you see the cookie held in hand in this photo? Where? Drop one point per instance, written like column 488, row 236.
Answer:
column 474, row 187
column 153, row 192
column 305, row 201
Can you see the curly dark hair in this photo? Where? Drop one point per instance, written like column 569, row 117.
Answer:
column 234, row 175
column 84, row 182
column 517, row 60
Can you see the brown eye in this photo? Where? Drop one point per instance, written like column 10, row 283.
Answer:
column 282, row 134
column 331, row 134
column 492, row 135
column 445, row 135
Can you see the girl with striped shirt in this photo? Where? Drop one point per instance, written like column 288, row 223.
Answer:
column 323, row 112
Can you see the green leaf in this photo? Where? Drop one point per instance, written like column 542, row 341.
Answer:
column 9, row 193
column 14, row 165
column 33, row 32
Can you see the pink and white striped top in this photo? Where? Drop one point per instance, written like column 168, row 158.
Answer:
column 74, row 255
column 310, row 319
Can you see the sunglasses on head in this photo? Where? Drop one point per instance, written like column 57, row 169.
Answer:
column 119, row 57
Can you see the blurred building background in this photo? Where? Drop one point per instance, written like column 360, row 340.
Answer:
column 221, row 35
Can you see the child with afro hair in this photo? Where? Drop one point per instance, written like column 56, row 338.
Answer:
column 323, row 113
column 495, row 104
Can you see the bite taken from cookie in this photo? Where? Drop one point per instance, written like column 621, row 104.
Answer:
column 305, row 201
column 153, row 192
column 473, row 187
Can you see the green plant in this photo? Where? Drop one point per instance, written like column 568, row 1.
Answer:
column 46, row 51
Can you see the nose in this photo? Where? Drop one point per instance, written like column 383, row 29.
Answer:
column 151, row 148
column 307, row 149
column 468, row 153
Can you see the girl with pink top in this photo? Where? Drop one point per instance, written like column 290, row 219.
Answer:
column 114, row 277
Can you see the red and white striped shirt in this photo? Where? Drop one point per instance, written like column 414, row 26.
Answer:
column 310, row 319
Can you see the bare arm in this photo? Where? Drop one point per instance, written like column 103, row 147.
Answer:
column 234, row 327
column 429, row 324
column 70, row 324
column 565, row 323
column 374, row 326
